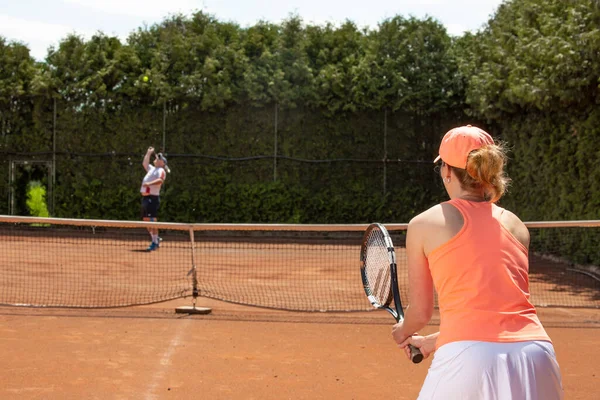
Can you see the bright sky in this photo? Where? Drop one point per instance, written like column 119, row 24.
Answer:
column 42, row 23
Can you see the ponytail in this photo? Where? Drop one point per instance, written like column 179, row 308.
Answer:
column 485, row 170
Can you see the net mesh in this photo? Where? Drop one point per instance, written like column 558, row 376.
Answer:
column 99, row 264
column 564, row 264
column 83, row 266
column 376, row 264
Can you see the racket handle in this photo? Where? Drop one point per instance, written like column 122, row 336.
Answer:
column 415, row 354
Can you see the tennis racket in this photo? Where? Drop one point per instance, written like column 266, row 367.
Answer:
column 379, row 276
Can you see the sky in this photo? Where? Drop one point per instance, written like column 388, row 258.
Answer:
column 43, row 23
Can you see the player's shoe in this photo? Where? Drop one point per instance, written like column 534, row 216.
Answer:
column 153, row 246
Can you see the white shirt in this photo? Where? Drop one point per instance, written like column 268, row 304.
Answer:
column 152, row 175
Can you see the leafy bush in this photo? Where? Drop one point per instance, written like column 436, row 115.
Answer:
column 36, row 200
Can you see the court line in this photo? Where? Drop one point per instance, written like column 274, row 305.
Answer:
column 165, row 361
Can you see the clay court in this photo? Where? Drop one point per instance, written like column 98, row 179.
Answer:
column 237, row 351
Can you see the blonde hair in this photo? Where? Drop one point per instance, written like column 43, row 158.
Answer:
column 485, row 170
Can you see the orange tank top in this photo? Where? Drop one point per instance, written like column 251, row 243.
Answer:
column 481, row 277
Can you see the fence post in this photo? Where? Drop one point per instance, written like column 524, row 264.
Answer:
column 52, row 196
column 164, row 127
column 275, row 145
column 384, row 151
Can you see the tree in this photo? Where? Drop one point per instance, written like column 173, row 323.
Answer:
column 333, row 54
column 16, row 75
column 535, row 56
column 278, row 69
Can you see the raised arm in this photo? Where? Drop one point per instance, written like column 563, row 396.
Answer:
column 146, row 161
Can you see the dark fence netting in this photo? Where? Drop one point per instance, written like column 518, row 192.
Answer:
column 241, row 164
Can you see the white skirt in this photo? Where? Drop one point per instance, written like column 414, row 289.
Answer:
column 471, row 370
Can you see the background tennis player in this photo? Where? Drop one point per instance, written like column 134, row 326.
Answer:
column 151, row 184
column 491, row 344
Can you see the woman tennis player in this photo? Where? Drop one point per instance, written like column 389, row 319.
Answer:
column 491, row 344
column 150, row 190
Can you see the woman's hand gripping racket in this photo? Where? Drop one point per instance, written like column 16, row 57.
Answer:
column 379, row 276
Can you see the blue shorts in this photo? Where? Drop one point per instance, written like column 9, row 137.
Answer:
column 150, row 205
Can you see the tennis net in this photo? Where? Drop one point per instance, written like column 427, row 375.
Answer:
column 52, row 262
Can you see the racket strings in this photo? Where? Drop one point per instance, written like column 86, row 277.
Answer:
column 377, row 268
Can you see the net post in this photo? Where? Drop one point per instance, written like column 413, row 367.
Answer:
column 193, row 309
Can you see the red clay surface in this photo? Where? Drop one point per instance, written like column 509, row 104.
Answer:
column 237, row 352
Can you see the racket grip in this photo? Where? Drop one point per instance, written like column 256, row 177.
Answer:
column 415, row 354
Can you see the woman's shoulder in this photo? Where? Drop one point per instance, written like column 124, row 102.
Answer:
column 507, row 217
column 515, row 226
column 435, row 226
column 434, row 216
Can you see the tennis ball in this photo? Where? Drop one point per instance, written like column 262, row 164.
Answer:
column 145, row 79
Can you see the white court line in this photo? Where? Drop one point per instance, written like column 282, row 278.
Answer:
column 165, row 361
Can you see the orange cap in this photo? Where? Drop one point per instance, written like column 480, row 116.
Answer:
column 459, row 142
